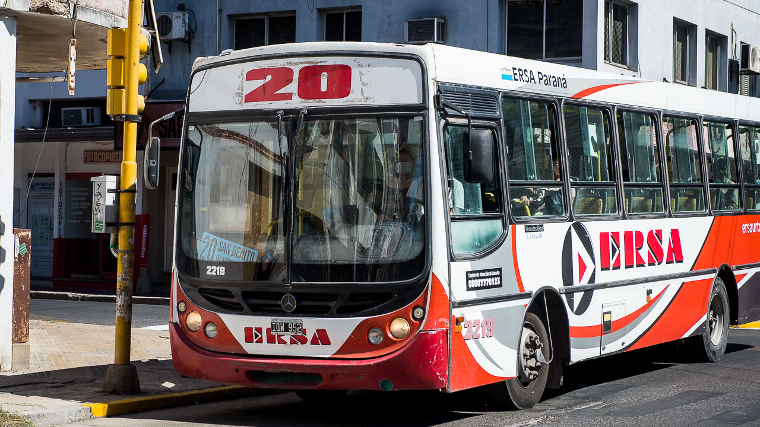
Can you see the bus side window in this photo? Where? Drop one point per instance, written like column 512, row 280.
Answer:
column 684, row 164
column 475, row 209
column 749, row 143
column 592, row 174
column 533, row 159
column 640, row 159
column 721, row 166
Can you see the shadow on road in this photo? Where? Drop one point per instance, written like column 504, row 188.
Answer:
column 428, row 408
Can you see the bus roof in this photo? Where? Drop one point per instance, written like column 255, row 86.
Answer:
column 525, row 77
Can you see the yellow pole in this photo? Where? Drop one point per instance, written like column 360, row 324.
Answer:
column 128, row 187
column 121, row 377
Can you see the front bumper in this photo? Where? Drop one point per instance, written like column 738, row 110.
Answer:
column 421, row 364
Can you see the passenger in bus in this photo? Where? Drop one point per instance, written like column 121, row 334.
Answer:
column 404, row 198
column 725, row 198
column 540, row 201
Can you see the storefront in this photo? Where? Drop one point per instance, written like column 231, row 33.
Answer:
column 55, row 202
column 54, row 199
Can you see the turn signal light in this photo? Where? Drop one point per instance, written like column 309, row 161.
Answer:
column 193, row 321
column 458, row 320
column 399, row 328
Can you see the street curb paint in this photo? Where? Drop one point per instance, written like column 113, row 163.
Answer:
column 752, row 325
column 148, row 403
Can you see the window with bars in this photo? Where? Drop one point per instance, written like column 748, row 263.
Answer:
column 545, row 29
column 343, row 25
column 252, row 31
column 615, row 33
column 681, row 52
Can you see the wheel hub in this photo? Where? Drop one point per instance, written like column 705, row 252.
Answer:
column 530, row 346
column 715, row 319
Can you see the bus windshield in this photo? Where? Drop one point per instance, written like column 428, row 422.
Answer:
column 345, row 203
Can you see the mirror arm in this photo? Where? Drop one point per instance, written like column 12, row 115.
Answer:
column 444, row 104
column 171, row 115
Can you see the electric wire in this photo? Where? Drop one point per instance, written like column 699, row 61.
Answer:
column 42, row 147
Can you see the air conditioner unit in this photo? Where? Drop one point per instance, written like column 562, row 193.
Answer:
column 80, row 116
column 750, row 61
column 427, row 30
column 172, row 25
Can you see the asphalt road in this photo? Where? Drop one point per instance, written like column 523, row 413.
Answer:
column 97, row 313
column 646, row 387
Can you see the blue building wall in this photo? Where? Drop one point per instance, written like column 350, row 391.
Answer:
column 477, row 24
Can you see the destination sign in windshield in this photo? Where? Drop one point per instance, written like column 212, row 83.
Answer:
column 305, row 82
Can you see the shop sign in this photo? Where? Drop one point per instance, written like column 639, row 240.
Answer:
column 102, row 156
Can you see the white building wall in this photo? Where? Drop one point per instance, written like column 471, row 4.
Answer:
column 654, row 40
column 7, row 243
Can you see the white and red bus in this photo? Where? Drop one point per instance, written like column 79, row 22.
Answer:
column 388, row 217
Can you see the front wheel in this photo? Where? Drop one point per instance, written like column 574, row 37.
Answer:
column 711, row 345
column 525, row 390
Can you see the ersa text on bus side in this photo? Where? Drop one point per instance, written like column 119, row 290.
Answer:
column 525, row 75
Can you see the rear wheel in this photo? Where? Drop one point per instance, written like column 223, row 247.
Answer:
column 525, row 390
column 711, row 345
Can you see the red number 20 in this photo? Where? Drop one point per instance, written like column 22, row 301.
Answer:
column 314, row 82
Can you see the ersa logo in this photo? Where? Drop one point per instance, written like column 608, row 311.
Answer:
column 256, row 336
column 636, row 251
column 617, row 249
column 578, row 265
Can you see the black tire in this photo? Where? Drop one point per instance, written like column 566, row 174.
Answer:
column 711, row 345
column 523, row 392
column 320, row 396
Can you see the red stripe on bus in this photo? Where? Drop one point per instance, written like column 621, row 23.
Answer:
column 514, row 260
column 596, row 330
column 592, row 90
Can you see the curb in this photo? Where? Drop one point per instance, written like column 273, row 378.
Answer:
column 73, row 296
column 161, row 401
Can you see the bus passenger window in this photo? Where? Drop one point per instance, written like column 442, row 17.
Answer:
column 475, row 209
column 640, row 161
column 721, row 166
column 684, row 164
column 592, row 176
column 533, row 159
column 749, row 143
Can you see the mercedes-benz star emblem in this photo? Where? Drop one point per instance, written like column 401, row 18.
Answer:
column 288, row 303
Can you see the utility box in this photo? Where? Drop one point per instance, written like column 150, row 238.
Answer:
column 105, row 204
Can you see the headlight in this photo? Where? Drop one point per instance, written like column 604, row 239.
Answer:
column 182, row 307
column 375, row 336
column 193, row 321
column 418, row 313
column 210, row 330
column 399, row 328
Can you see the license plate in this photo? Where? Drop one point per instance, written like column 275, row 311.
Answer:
column 287, row 327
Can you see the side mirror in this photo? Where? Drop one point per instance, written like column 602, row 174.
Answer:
column 153, row 152
column 151, row 162
column 479, row 155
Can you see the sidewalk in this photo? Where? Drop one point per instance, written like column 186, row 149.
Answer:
column 68, row 362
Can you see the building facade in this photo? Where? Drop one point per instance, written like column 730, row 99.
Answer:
column 697, row 43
